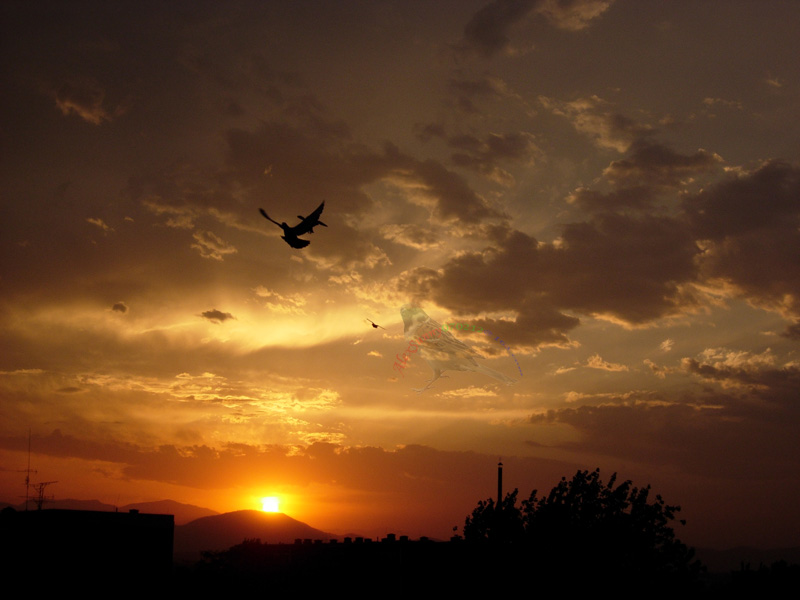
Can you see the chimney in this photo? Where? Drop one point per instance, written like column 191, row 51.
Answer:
column 499, row 483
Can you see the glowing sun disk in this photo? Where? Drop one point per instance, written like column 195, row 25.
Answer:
column 270, row 504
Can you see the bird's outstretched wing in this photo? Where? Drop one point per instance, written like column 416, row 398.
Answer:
column 308, row 223
column 267, row 217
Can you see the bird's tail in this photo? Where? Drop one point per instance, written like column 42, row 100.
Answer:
column 496, row 374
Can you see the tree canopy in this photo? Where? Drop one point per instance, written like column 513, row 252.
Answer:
column 591, row 525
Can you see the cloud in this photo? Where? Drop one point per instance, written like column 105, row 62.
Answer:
column 743, row 369
column 596, row 362
column 101, row 224
column 626, row 198
column 574, row 15
column 216, row 316
column 792, row 331
column 653, row 259
column 180, row 217
column 451, row 194
column 466, row 91
column 120, row 307
column 85, row 98
column 734, row 104
column 483, row 155
column 734, row 217
column 285, row 304
column 658, row 371
column 410, row 473
column 667, row 345
column 593, row 116
column 715, row 439
column 658, row 255
column 413, row 236
column 656, row 164
column 69, row 390
column 487, row 32
column 211, row 246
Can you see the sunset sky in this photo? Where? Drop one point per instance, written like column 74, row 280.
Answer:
column 611, row 187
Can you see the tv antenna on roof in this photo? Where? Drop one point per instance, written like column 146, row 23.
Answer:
column 28, row 472
column 41, row 498
column 38, row 487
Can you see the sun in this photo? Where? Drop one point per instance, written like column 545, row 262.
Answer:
column 270, row 504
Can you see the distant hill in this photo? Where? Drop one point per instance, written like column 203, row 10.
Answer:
column 184, row 513
column 71, row 504
column 220, row 532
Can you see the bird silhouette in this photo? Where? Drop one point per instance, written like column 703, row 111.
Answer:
column 375, row 325
column 306, row 225
column 440, row 349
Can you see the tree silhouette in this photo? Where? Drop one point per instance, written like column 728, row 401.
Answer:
column 492, row 523
column 586, row 526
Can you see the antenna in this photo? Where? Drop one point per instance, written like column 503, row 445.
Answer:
column 499, row 483
column 38, row 487
column 41, row 498
column 28, row 472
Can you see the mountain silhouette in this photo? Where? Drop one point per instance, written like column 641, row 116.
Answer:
column 184, row 513
column 220, row 532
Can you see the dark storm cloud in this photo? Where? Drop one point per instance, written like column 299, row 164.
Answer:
column 120, row 307
column 216, row 316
